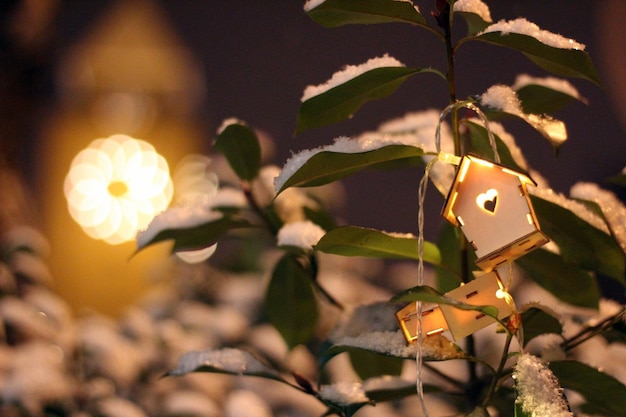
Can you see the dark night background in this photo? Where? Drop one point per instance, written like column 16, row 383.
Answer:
column 258, row 56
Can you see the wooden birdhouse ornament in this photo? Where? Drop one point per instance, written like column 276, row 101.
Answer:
column 490, row 204
column 483, row 290
column 433, row 321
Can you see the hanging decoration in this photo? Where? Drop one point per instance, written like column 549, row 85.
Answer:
column 491, row 205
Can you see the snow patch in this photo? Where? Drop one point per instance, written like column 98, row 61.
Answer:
column 474, row 6
column 539, row 392
column 302, row 234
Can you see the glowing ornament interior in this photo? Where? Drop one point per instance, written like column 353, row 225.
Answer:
column 116, row 186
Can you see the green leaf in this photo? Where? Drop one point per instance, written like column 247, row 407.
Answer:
column 564, row 280
column 540, row 99
column 599, row 389
column 449, row 244
column 290, row 302
column 239, row 144
column 538, row 320
column 479, row 140
column 368, row 364
column 559, row 61
column 371, row 243
column 334, row 13
column 230, row 361
column 326, row 166
column 342, row 101
column 618, row 180
column 475, row 23
column 580, row 243
column 200, row 236
column 428, row 294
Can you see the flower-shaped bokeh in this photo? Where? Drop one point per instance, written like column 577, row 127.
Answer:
column 116, row 186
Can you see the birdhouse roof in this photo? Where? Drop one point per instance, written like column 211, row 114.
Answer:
column 471, row 165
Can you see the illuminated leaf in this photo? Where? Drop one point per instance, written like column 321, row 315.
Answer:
column 326, row 166
column 359, row 241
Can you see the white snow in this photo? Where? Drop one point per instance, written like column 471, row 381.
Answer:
column 473, row 6
column 557, row 84
column 349, row 72
column 524, row 27
column 502, row 97
column 312, row 4
column 344, row 393
column 579, row 209
column 302, row 234
column 176, row 218
column 613, row 209
column 539, row 393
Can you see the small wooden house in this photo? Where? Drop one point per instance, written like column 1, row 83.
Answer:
column 490, row 204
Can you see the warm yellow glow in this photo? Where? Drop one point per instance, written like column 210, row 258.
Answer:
column 488, row 200
column 116, row 186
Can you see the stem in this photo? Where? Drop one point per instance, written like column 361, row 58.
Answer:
column 499, row 371
column 247, row 191
column 592, row 331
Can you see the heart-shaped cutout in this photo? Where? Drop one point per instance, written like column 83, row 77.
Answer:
column 488, row 200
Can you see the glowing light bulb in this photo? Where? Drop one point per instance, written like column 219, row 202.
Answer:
column 116, row 186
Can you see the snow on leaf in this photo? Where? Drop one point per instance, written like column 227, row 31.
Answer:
column 393, row 343
column 503, row 98
column 612, row 208
column 473, row 6
column 524, row 27
column 349, row 72
column 181, row 217
column 553, row 83
column 227, row 361
column 538, row 390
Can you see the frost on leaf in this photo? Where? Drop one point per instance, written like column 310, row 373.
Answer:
column 227, row 360
column 524, row 27
column 538, row 390
column 349, row 72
